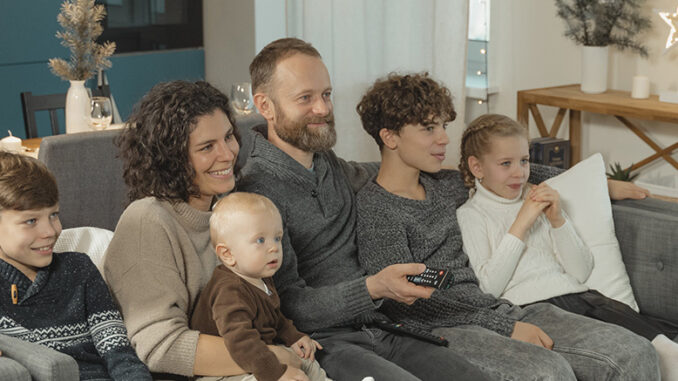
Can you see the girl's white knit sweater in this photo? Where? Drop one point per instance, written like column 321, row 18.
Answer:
column 550, row 262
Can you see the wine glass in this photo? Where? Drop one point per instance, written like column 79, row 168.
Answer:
column 241, row 98
column 101, row 113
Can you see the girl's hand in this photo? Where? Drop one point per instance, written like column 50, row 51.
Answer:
column 527, row 215
column 553, row 212
column 305, row 347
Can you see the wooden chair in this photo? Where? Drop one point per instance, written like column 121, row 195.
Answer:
column 31, row 103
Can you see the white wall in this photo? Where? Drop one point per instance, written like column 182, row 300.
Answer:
column 528, row 51
column 229, row 39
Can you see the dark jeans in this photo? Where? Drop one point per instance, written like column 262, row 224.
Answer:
column 351, row 355
column 596, row 305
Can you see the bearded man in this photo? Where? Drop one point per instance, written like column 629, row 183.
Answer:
column 321, row 285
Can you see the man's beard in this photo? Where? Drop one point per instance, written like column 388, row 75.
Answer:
column 298, row 134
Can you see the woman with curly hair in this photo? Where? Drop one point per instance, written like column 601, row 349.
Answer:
column 179, row 154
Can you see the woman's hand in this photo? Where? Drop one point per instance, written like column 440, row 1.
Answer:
column 285, row 356
column 293, row 374
column 305, row 348
column 527, row 214
column 544, row 193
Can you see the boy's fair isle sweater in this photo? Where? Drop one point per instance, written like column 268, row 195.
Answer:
column 551, row 262
column 320, row 282
column 68, row 308
column 248, row 319
column 394, row 229
column 159, row 260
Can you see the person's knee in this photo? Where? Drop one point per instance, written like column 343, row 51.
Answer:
column 550, row 366
column 639, row 361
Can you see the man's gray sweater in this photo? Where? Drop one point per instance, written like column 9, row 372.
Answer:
column 320, row 282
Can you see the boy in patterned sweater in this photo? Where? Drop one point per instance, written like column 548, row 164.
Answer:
column 57, row 300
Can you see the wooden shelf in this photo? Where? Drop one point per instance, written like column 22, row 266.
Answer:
column 612, row 102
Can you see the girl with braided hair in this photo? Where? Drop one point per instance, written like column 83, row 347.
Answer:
column 522, row 245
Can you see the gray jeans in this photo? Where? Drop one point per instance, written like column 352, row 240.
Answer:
column 584, row 349
column 351, row 355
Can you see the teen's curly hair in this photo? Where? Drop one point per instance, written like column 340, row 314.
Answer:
column 154, row 149
column 398, row 100
column 475, row 140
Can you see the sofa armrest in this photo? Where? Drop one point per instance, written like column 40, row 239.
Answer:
column 647, row 232
column 43, row 363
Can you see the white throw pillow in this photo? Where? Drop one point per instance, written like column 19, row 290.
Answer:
column 88, row 240
column 584, row 195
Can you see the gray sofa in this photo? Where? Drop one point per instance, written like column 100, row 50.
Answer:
column 647, row 231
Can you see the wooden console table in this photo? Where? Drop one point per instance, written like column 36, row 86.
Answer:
column 612, row 102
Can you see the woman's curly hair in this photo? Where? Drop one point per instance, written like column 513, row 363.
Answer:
column 476, row 139
column 154, row 148
column 399, row 100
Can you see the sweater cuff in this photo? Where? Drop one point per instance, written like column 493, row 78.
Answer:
column 511, row 244
column 501, row 323
column 358, row 298
column 180, row 358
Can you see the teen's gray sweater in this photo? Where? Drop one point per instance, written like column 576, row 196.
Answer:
column 320, row 282
column 394, row 229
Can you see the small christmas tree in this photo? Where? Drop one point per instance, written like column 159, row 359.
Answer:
column 80, row 20
column 604, row 22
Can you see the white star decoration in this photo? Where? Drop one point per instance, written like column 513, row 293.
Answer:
column 672, row 20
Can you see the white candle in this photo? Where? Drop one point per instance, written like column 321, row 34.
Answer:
column 11, row 143
column 641, row 87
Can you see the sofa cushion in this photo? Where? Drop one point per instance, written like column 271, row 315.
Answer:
column 88, row 240
column 647, row 230
column 584, row 195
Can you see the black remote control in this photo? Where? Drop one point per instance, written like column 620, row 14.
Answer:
column 438, row 278
column 407, row 330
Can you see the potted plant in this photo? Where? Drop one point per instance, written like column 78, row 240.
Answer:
column 596, row 24
column 619, row 173
column 80, row 20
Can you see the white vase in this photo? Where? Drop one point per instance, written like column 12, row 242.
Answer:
column 77, row 108
column 594, row 69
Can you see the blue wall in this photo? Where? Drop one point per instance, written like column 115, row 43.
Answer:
column 27, row 41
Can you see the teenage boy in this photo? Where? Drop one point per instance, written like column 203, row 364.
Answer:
column 57, row 300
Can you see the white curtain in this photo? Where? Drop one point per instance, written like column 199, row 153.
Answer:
column 362, row 40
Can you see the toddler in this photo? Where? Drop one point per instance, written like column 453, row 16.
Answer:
column 240, row 302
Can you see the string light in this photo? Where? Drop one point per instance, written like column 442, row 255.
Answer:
column 480, row 101
column 483, row 51
column 672, row 20
column 479, row 72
